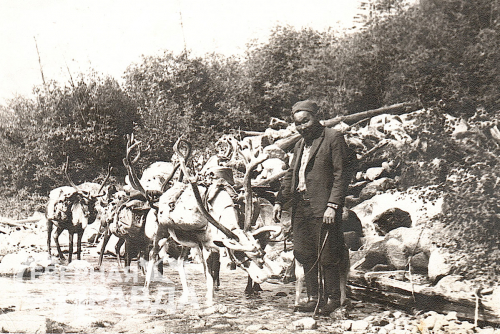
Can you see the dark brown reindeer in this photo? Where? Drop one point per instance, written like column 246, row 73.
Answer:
column 72, row 208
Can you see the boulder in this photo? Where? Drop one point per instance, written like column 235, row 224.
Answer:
column 395, row 253
column 304, row 324
column 374, row 173
column 13, row 264
column 372, row 188
column 438, row 265
column 454, row 285
column 415, row 239
column 419, row 262
column 352, row 240
column 352, row 228
column 390, row 220
column 376, row 254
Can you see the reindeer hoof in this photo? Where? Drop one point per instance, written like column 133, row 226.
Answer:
column 183, row 299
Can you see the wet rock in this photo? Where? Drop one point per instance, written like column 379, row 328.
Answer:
column 79, row 265
column 391, row 219
column 13, row 264
column 304, row 324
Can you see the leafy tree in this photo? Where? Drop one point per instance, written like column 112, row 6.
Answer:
column 86, row 121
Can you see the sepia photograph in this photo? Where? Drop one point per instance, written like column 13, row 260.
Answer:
column 216, row 166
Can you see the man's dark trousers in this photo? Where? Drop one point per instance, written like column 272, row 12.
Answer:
column 307, row 244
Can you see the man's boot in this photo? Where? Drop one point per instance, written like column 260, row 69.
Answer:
column 332, row 290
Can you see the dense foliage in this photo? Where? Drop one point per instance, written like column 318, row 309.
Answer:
column 86, row 122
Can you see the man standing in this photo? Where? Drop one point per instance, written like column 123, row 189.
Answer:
column 316, row 184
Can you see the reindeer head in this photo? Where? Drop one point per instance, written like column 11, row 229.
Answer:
column 87, row 194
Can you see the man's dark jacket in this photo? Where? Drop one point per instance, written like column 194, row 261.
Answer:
column 326, row 172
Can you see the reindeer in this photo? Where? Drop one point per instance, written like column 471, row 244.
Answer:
column 134, row 216
column 71, row 208
column 205, row 218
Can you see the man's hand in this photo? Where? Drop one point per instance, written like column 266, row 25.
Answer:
column 277, row 212
column 329, row 216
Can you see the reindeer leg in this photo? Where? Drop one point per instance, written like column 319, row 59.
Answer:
column 56, row 240
column 299, row 281
column 152, row 257
column 213, row 262
column 107, row 235
column 249, row 287
column 118, row 250
column 208, row 276
column 70, row 254
column 128, row 256
column 50, row 225
column 79, row 245
column 182, row 274
column 344, row 274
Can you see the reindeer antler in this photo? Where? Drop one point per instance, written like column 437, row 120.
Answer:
column 196, row 191
column 183, row 155
column 247, row 186
column 78, row 190
column 128, row 163
column 105, row 180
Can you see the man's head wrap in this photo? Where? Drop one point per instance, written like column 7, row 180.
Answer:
column 306, row 105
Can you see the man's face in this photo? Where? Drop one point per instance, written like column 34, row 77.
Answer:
column 305, row 123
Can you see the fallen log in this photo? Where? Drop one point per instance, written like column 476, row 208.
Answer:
column 18, row 223
column 408, row 296
column 395, row 109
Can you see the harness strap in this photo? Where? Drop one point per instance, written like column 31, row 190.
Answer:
column 236, row 261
